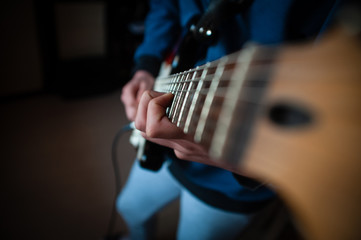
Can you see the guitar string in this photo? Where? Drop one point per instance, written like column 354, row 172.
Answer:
column 211, row 122
column 248, row 99
column 178, row 82
column 220, row 92
column 252, row 77
column 174, row 82
column 250, row 95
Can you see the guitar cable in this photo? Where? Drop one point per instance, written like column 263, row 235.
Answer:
column 117, row 176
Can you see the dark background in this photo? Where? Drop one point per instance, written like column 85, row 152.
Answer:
column 73, row 48
column 62, row 65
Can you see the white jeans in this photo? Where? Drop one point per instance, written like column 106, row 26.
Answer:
column 147, row 192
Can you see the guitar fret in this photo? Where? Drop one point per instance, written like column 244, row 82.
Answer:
column 190, row 96
column 163, row 82
column 170, row 85
column 175, row 103
column 190, row 118
column 183, row 85
column 189, row 85
column 201, row 99
column 170, row 89
column 173, row 90
column 237, row 81
column 208, row 101
column 176, row 96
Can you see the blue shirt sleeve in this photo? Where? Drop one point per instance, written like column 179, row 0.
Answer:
column 161, row 29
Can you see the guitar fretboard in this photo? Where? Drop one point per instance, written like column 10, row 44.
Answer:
column 209, row 98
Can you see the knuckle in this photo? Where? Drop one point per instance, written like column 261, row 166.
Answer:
column 145, row 96
column 123, row 98
column 125, row 89
column 130, row 113
column 152, row 103
column 140, row 125
column 147, row 93
column 152, row 131
column 181, row 155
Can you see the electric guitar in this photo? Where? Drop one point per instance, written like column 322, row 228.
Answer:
column 289, row 116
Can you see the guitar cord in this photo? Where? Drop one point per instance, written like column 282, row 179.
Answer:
column 117, row 176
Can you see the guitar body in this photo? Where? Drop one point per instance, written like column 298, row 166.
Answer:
column 315, row 167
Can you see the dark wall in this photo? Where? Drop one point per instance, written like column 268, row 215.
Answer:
column 72, row 48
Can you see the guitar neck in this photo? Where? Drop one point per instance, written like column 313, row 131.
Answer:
column 210, row 99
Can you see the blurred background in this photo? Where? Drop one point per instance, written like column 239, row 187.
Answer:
column 62, row 65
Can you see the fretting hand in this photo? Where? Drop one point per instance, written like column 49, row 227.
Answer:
column 152, row 121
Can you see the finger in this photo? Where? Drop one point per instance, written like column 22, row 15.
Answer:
column 181, row 145
column 129, row 100
column 183, row 149
column 143, row 86
column 158, row 124
column 129, row 92
column 141, row 115
column 145, row 82
column 185, row 155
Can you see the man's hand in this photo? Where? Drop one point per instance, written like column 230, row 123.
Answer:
column 133, row 90
column 155, row 126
